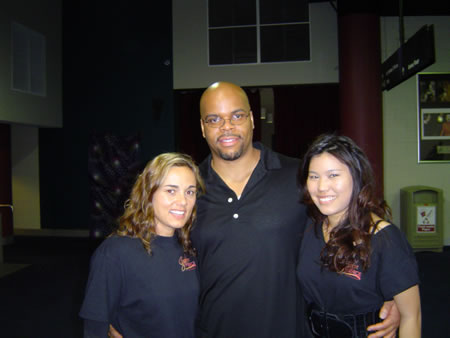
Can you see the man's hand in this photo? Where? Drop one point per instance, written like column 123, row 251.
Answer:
column 113, row 332
column 388, row 327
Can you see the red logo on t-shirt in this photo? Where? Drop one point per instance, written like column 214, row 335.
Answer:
column 352, row 272
column 187, row 264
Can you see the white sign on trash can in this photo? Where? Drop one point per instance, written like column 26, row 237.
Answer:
column 426, row 219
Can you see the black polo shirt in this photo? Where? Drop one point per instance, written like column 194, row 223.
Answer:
column 247, row 252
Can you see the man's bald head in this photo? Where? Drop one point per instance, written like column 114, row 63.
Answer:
column 222, row 90
column 230, row 140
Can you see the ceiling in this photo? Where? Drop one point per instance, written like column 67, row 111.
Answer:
column 392, row 7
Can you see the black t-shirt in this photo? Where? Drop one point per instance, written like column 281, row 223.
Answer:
column 247, row 252
column 393, row 269
column 142, row 295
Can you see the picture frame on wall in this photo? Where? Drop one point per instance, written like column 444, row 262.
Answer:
column 433, row 118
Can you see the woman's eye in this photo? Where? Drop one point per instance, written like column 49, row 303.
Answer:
column 171, row 191
column 333, row 175
column 191, row 193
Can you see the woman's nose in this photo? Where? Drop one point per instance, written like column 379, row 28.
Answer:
column 323, row 184
column 181, row 199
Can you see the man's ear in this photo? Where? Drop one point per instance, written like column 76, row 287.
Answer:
column 251, row 118
column 202, row 125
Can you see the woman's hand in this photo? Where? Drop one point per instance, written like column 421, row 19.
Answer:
column 113, row 332
column 391, row 321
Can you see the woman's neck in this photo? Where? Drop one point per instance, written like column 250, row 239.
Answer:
column 328, row 225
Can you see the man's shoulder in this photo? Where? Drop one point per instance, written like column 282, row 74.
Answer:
column 204, row 166
column 287, row 161
column 277, row 160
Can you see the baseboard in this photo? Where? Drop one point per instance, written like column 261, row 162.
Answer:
column 52, row 232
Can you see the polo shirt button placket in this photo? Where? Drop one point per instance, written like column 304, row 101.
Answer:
column 230, row 200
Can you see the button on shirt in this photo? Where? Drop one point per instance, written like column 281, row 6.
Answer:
column 247, row 251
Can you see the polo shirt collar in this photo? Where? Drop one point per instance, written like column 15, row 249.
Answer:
column 268, row 158
column 268, row 161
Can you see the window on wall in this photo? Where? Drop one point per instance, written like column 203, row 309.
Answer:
column 258, row 31
column 28, row 60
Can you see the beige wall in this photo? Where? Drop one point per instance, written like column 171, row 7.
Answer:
column 45, row 17
column 26, row 112
column 190, row 66
column 401, row 167
column 399, row 104
column 25, row 167
column 190, row 71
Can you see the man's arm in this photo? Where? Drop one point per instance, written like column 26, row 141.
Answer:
column 388, row 327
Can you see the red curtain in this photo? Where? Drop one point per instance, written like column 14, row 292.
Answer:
column 302, row 113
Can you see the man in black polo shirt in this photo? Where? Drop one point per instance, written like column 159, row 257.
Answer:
column 248, row 229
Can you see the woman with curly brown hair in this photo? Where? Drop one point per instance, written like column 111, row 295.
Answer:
column 143, row 278
column 351, row 260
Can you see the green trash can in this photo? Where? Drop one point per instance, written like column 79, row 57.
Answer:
column 421, row 217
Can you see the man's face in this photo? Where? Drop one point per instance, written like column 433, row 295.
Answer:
column 229, row 141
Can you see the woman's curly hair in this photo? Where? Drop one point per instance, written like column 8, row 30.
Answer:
column 350, row 241
column 138, row 220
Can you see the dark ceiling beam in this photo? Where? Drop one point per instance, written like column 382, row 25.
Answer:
column 391, row 7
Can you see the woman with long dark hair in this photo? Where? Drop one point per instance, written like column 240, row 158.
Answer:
column 143, row 278
column 352, row 259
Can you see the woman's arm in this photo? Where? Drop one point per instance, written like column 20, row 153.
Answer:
column 408, row 303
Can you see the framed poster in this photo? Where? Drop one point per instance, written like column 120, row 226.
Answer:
column 433, row 120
